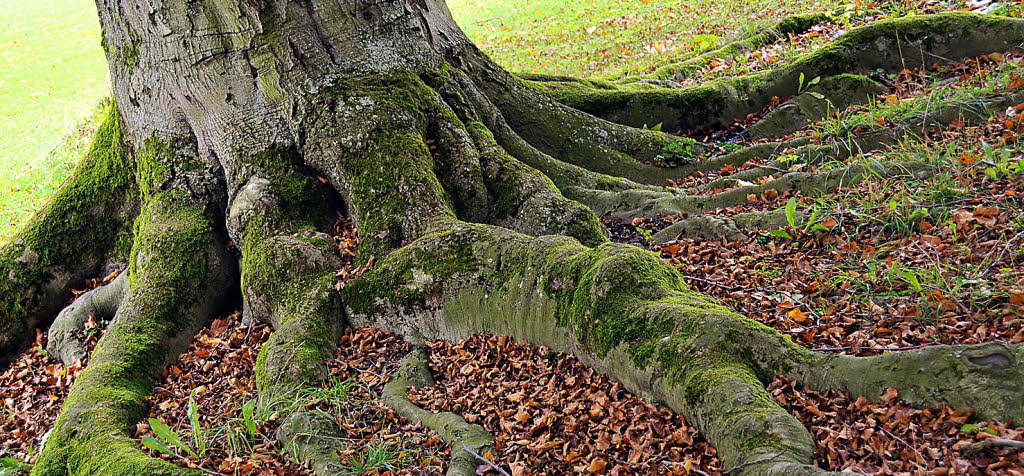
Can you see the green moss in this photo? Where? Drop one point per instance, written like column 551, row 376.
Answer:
column 129, row 55
column 167, row 273
column 81, row 223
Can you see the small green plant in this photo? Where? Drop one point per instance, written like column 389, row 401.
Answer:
column 375, row 456
column 248, row 419
column 199, row 437
column 999, row 163
column 727, row 147
column 11, row 467
column 166, row 438
column 790, row 212
column 647, row 234
column 802, row 87
column 682, row 152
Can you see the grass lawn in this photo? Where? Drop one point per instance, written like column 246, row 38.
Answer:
column 53, row 75
column 601, row 37
column 54, row 72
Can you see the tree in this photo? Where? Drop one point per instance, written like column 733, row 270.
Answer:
column 241, row 129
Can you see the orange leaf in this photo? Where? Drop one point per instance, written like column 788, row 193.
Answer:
column 798, row 316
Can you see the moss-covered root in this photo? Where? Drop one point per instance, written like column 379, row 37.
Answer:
column 643, row 203
column 563, row 133
column 714, row 227
column 66, row 333
column 984, row 377
column 832, row 94
column 890, row 44
column 915, row 126
column 619, row 309
column 526, row 201
column 83, row 229
column 455, row 430
column 180, row 269
column 288, row 275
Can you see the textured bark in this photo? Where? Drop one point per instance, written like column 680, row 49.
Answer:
column 256, row 123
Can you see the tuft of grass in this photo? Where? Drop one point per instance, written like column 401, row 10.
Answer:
column 377, row 456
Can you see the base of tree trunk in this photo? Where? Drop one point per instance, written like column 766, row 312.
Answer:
column 476, row 197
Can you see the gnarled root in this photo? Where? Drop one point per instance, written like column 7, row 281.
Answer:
column 463, row 436
column 83, row 230
column 65, row 339
column 177, row 280
column 626, row 313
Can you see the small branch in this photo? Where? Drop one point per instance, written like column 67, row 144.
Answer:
column 692, row 469
column 990, row 443
column 908, row 445
column 484, row 460
column 751, row 463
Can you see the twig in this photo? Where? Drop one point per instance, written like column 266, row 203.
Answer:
column 485, row 460
column 692, row 469
column 991, row 443
column 751, row 463
column 901, row 440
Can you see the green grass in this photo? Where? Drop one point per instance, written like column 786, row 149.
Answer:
column 54, row 74
column 603, row 37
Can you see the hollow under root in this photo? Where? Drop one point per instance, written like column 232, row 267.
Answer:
column 65, row 339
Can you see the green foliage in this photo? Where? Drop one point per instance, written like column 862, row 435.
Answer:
column 801, row 87
column 685, row 151
column 167, row 436
column 647, row 234
column 374, row 457
column 198, row 435
column 12, row 467
column 248, row 420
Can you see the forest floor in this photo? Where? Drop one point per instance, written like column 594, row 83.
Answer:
column 889, row 264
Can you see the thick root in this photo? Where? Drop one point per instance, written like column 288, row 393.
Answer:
column 288, row 274
column 463, row 436
column 48, row 256
column 179, row 271
column 890, row 45
column 626, row 313
column 65, row 339
column 985, row 377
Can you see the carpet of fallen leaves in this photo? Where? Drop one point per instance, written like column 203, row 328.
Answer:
column 218, row 370
column 32, row 390
column 890, row 437
column 368, row 357
column 550, row 415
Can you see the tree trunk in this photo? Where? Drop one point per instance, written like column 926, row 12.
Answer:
column 254, row 122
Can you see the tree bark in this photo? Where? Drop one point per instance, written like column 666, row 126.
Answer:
column 255, row 122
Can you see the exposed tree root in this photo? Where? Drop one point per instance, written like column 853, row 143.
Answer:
column 456, row 431
column 472, row 193
column 890, row 45
column 66, row 340
column 624, row 312
column 177, row 281
column 83, row 231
